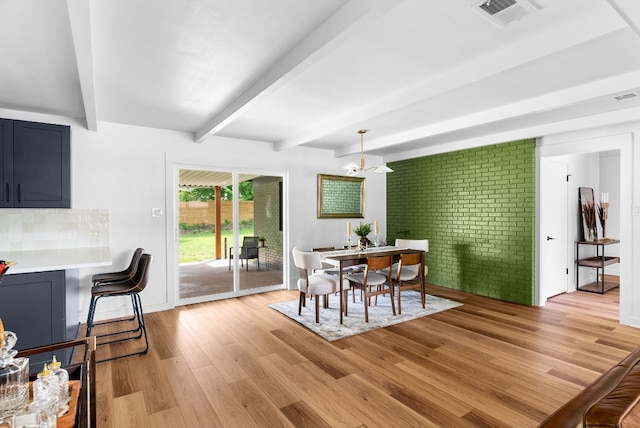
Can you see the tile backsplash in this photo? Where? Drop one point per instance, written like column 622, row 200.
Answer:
column 53, row 228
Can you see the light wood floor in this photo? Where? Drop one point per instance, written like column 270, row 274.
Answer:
column 238, row 363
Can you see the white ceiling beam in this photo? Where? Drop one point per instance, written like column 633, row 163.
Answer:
column 312, row 48
column 565, row 97
column 629, row 11
column 615, row 118
column 490, row 64
column 80, row 20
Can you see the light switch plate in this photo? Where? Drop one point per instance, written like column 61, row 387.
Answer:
column 156, row 212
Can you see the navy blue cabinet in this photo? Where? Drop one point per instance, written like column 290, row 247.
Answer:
column 36, row 165
column 41, row 308
column 6, row 163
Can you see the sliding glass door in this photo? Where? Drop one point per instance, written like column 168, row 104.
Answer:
column 230, row 234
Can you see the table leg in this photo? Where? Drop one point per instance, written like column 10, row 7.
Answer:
column 601, row 270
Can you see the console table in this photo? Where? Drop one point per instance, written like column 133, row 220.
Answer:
column 598, row 262
column 83, row 371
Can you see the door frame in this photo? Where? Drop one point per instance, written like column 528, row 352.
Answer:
column 174, row 162
column 623, row 142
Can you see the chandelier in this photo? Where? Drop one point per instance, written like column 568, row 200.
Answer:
column 354, row 169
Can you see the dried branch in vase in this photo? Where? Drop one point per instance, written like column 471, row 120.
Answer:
column 589, row 215
column 601, row 215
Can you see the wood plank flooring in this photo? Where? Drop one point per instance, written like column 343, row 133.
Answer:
column 239, row 363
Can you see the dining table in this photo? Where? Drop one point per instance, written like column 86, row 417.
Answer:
column 357, row 256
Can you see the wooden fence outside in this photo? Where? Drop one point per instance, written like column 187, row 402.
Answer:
column 196, row 212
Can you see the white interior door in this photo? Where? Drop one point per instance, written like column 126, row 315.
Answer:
column 553, row 229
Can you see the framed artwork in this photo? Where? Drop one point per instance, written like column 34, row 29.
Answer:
column 340, row 197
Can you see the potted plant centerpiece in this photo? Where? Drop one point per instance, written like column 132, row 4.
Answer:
column 362, row 230
column 261, row 241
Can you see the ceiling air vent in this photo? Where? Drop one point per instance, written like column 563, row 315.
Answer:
column 503, row 12
column 627, row 97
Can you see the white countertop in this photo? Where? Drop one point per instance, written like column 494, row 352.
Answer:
column 48, row 260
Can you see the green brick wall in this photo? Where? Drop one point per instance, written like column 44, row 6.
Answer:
column 477, row 208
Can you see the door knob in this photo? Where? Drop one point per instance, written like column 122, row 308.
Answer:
column 549, row 238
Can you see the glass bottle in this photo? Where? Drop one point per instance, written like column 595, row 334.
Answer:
column 45, row 386
column 62, row 377
column 14, row 377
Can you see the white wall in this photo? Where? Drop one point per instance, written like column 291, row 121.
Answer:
column 123, row 169
column 621, row 138
column 610, row 183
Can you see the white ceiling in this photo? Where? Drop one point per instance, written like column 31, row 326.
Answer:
column 417, row 74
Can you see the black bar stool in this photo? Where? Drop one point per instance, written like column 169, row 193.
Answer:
column 126, row 287
column 122, row 275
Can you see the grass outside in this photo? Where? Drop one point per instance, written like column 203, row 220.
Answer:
column 197, row 247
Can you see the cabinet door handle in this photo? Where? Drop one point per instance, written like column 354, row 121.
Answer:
column 19, row 194
column 8, row 188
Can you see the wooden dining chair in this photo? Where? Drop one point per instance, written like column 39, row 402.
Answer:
column 414, row 244
column 372, row 282
column 409, row 276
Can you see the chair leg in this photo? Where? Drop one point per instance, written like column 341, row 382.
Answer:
column 138, row 315
column 366, row 300
column 90, row 314
column 301, row 302
column 393, row 305
column 137, row 308
column 317, row 309
column 132, row 318
column 346, row 298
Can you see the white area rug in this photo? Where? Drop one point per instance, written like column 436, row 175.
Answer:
column 379, row 316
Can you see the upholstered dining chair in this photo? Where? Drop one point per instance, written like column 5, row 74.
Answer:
column 312, row 283
column 326, row 267
column 372, row 282
column 330, row 269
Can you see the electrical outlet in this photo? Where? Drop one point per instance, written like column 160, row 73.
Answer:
column 156, row 212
